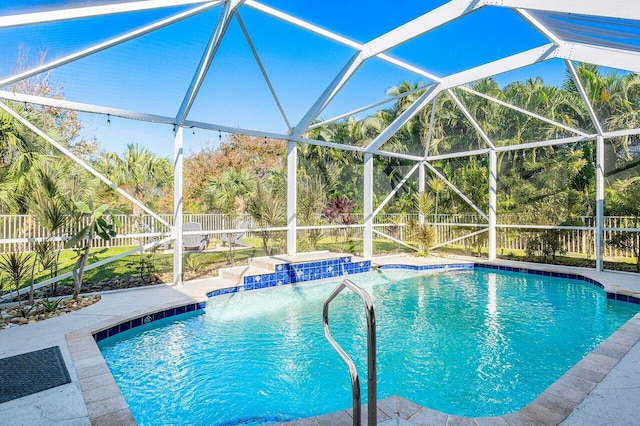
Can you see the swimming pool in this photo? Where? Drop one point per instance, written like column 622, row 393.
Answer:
column 471, row 343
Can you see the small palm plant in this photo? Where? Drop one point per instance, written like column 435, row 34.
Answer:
column 424, row 233
column 102, row 222
column 16, row 266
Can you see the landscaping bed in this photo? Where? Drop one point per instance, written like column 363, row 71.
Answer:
column 42, row 310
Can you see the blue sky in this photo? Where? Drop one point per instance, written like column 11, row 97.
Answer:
column 152, row 73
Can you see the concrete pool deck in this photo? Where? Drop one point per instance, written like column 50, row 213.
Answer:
column 603, row 389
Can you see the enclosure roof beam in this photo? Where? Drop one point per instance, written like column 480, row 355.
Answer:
column 456, row 190
column 335, row 37
column 107, row 44
column 395, row 189
column 403, row 118
column 510, row 63
column 457, row 154
column 398, row 155
column 471, row 119
column 262, row 70
column 499, row 66
column 522, row 110
column 302, row 24
column 91, row 11
column 205, row 62
column 550, row 142
column 366, row 107
column 84, row 107
column 535, row 23
column 620, row 133
column 604, row 56
column 81, row 162
column 622, row 9
column 308, row 141
column 329, row 93
column 431, row 20
column 115, row 112
column 235, row 130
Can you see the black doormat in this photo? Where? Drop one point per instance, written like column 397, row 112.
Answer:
column 24, row 374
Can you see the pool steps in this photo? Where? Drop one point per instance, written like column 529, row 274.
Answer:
column 287, row 269
column 236, row 274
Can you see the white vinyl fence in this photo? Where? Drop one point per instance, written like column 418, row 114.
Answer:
column 19, row 232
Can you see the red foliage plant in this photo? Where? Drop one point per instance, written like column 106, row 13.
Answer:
column 338, row 210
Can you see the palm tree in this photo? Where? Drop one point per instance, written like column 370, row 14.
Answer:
column 437, row 185
column 312, row 196
column 20, row 151
column 140, row 171
column 627, row 115
column 268, row 209
column 229, row 191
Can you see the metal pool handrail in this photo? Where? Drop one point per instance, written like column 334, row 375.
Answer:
column 371, row 352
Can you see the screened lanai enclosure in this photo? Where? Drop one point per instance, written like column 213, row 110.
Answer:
column 519, row 120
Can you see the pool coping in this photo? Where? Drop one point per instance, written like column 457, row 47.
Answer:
column 106, row 405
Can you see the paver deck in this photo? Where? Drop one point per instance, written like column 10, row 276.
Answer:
column 604, row 389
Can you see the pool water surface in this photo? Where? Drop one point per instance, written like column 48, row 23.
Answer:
column 473, row 343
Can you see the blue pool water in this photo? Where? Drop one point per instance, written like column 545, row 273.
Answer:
column 473, row 343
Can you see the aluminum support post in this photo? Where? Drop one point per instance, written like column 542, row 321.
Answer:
column 178, row 158
column 292, row 196
column 368, row 206
column 599, row 201
column 493, row 203
column 421, row 186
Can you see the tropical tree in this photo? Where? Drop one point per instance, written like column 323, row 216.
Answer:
column 311, row 199
column 20, row 152
column 437, row 185
column 626, row 200
column 268, row 209
column 102, row 223
column 255, row 158
column 140, row 171
column 227, row 193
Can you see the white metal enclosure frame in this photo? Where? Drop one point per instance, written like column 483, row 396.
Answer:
column 531, row 11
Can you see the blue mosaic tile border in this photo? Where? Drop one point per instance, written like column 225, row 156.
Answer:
column 146, row 319
column 291, row 273
column 541, row 273
column 612, row 296
column 457, row 266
